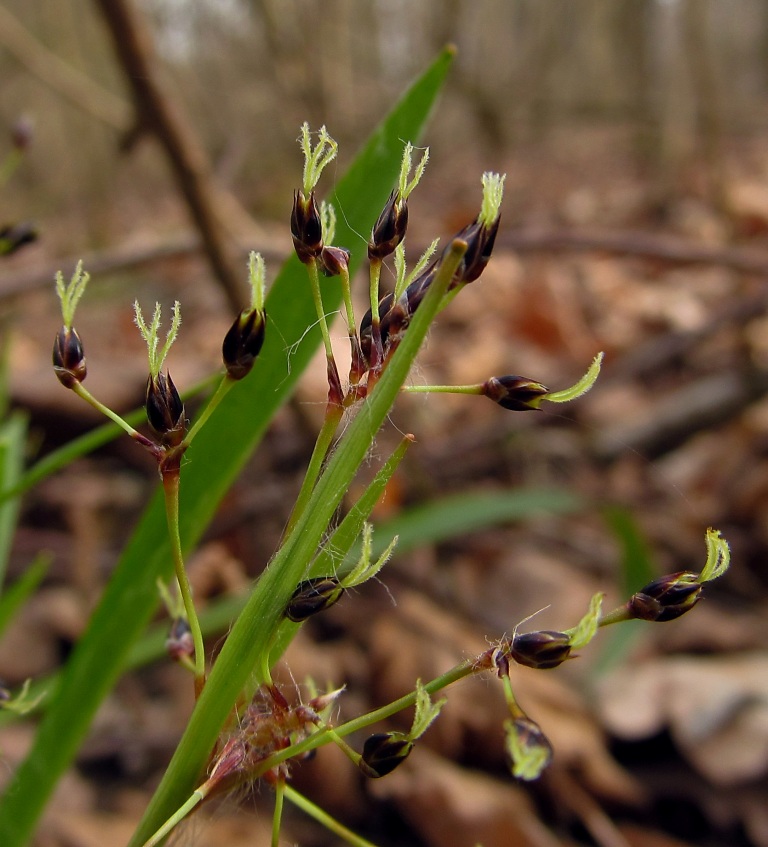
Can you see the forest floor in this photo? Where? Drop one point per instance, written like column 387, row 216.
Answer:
column 660, row 737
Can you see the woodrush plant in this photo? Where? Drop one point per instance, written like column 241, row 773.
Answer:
column 244, row 728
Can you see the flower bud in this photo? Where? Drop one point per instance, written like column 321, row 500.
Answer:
column 14, row 236
column 480, row 240
column 516, row 393
column 334, row 260
column 542, row 650
column 383, row 752
column 69, row 358
column 312, row 596
column 165, row 411
column 243, row 342
column 306, row 227
column 389, row 230
column 179, row 644
column 666, row 598
column 528, row 748
column 5, row 694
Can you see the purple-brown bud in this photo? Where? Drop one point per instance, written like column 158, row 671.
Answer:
column 383, row 752
column 306, row 227
column 15, row 236
column 334, row 260
column 69, row 358
column 542, row 650
column 666, row 598
column 243, row 342
column 480, row 240
column 389, row 230
column 165, row 411
column 179, row 644
column 312, row 596
column 516, row 393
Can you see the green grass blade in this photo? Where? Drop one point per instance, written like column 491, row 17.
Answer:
column 17, row 594
column 215, row 459
column 637, row 570
column 461, row 514
column 13, row 435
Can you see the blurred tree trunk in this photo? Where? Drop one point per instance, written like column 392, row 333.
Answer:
column 699, row 51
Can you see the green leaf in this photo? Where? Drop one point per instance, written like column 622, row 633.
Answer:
column 214, row 460
column 13, row 435
column 17, row 594
column 637, row 569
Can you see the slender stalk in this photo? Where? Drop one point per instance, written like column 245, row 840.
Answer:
column 314, row 280
column 277, row 817
column 221, row 392
column 333, row 415
column 86, row 395
column 176, row 818
column 443, row 389
column 322, row 817
column 171, row 492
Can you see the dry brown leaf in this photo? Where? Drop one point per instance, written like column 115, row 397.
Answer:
column 715, row 707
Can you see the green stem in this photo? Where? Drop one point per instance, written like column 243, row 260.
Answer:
column 333, row 415
column 346, row 294
column 171, row 491
column 221, row 392
column 322, row 817
column 326, row 733
column 375, row 279
column 86, row 395
column 277, row 817
column 176, row 818
column 314, row 280
column 616, row 616
column 443, row 389
column 9, row 165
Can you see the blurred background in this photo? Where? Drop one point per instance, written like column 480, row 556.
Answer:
column 634, row 135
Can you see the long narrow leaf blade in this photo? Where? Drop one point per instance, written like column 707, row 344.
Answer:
column 215, row 459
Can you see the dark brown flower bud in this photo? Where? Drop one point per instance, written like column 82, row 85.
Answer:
column 516, row 393
column 179, row 644
column 165, row 411
column 306, row 227
column 15, row 236
column 383, row 752
column 312, row 596
column 334, row 260
column 243, row 342
column 389, row 230
column 666, row 598
column 542, row 650
column 69, row 358
column 480, row 240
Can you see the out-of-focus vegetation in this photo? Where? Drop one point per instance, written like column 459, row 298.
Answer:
column 675, row 74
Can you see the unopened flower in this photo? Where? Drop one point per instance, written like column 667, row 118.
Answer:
column 516, row 393
column 306, row 227
column 243, row 342
column 542, row 650
column 165, row 410
column 383, row 752
column 666, row 598
column 312, row 596
column 390, row 228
